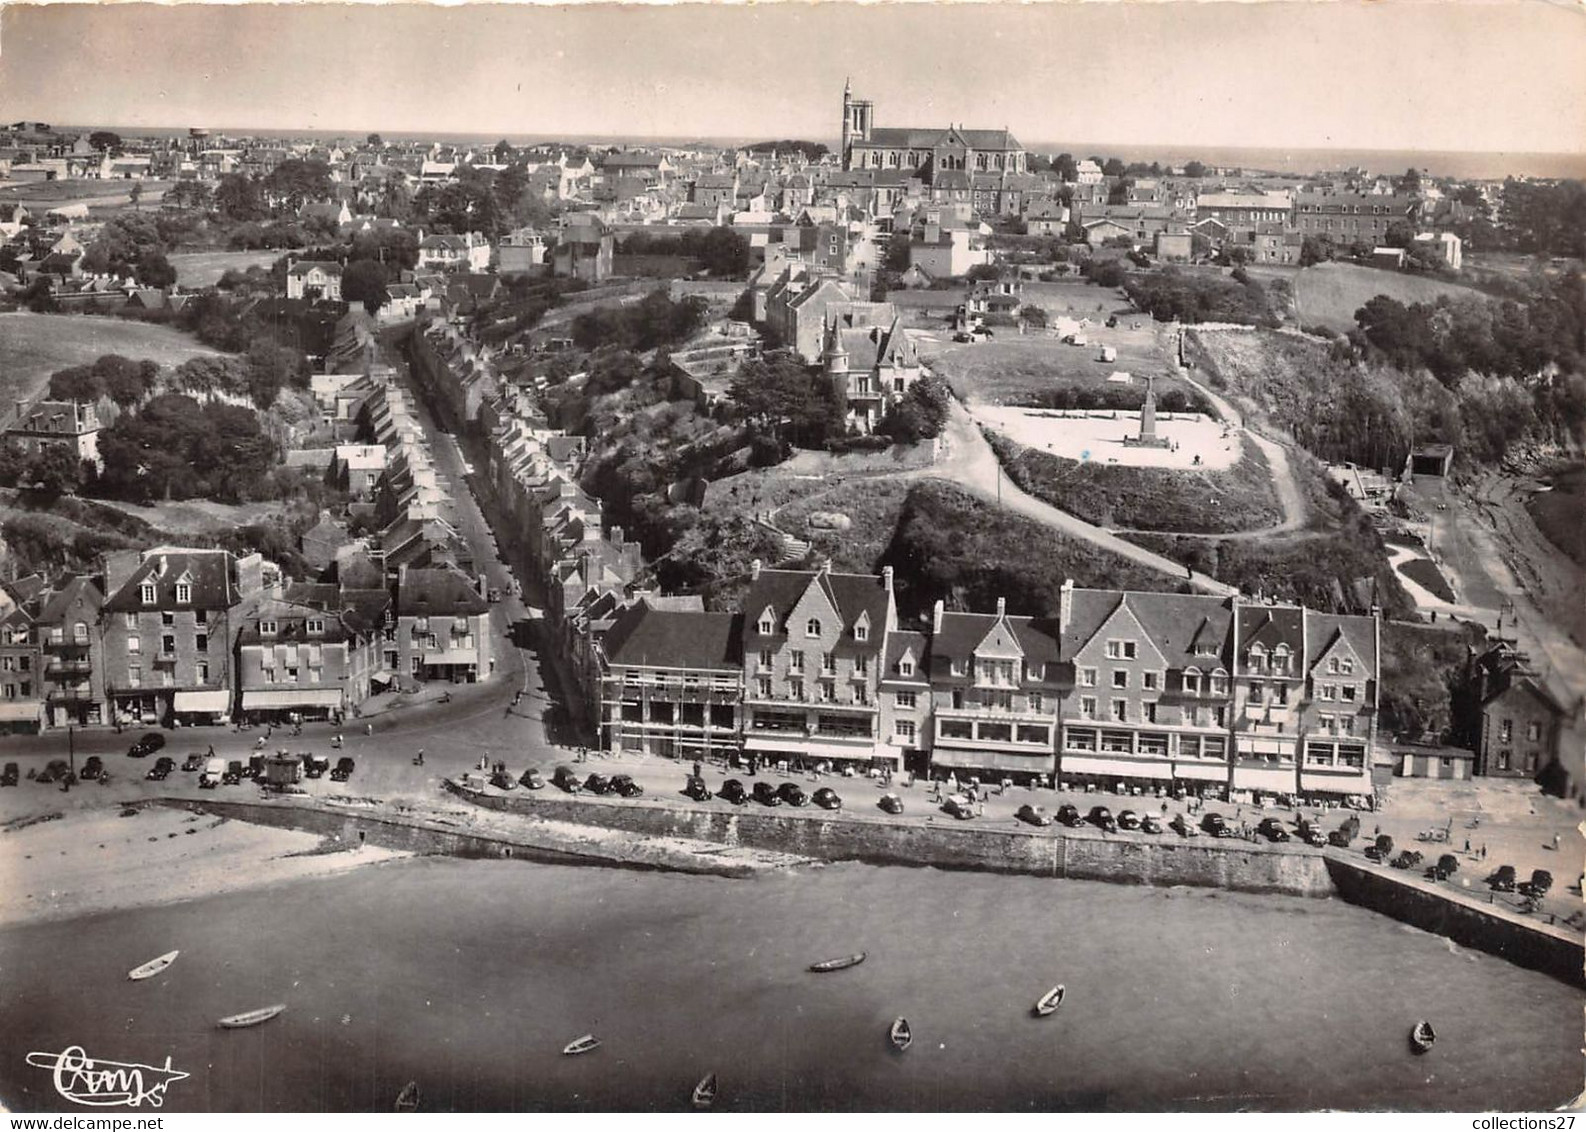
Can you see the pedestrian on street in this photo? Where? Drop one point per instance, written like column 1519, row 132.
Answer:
column 368, row 729
column 1467, row 845
column 1556, row 840
column 699, row 771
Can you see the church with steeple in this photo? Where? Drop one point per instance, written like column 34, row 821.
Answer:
column 923, row 153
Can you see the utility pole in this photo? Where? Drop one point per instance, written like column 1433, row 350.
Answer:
column 71, row 749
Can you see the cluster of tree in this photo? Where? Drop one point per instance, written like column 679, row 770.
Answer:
column 789, row 402
column 479, row 200
column 270, row 348
column 920, row 413
column 112, row 377
column 812, row 151
column 1455, row 335
column 722, row 252
column 653, row 321
column 176, row 448
column 48, row 473
column 1547, row 218
column 271, row 235
column 1104, row 271
column 134, row 246
column 1194, row 297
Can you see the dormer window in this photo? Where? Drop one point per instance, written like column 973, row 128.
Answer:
column 184, row 593
column 316, row 625
column 906, row 667
column 1035, row 672
column 267, row 628
column 146, row 593
column 812, row 627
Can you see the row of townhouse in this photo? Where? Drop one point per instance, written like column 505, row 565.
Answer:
column 1188, row 691
column 178, row 635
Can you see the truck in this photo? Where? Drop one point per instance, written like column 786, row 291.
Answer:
column 281, row 771
column 214, row 770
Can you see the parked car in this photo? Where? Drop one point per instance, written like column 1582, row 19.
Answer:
column 150, row 742
column 1150, row 823
column 92, row 768
column 732, row 791
column 194, row 761
column 10, row 776
column 1538, row 886
column 1272, row 829
column 625, row 786
column 792, row 794
column 766, row 794
column 1381, row 849
column 532, row 779
column 827, row 799
column 697, row 790
column 1311, row 833
column 214, row 770
column 1128, row 819
column 314, row 767
column 255, row 767
column 1503, row 879
column 344, row 769
column 958, row 806
column 1035, row 815
column 1216, row 825
column 566, row 778
column 1101, row 818
column 162, row 768
column 1184, row 827
column 891, row 804
column 1447, row 865
column 500, row 779
column 1408, row 859
column 1068, row 814
column 597, row 784
column 56, row 770
column 233, row 775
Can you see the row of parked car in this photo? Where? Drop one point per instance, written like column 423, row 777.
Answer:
column 765, row 793
column 1212, row 824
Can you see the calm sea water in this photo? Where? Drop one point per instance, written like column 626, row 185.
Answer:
column 471, row 976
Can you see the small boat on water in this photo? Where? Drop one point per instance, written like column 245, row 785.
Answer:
column 705, row 1091
column 838, row 964
column 1422, row 1036
column 900, row 1035
column 408, row 1100
column 153, row 966
column 581, row 1045
column 252, row 1017
column 1050, row 1001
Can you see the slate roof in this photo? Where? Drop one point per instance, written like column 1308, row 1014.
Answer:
column 55, row 604
column 905, row 137
column 304, row 266
column 961, row 632
column 209, row 572
column 1176, row 623
column 850, row 595
column 434, row 593
column 1270, row 626
column 663, row 638
column 900, row 642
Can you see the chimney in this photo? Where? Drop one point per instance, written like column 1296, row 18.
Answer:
column 1065, row 605
column 1002, row 607
column 886, row 578
column 754, row 570
column 936, row 616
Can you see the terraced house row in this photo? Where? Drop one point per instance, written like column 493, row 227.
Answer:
column 1146, row 689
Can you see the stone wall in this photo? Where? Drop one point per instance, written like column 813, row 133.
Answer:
column 1462, row 917
column 1055, row 851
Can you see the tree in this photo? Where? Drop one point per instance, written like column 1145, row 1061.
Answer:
column 237, row 197
column 1113, row 167
column 52, row 471
column 188, row 194
column 504, row 153
column 1067, row 168
column 1410, row 183
column 1194, row 170
column 1399, row 235
column 364, row 281
column 294, row 182
column 1316, row 249
column 135, row 193
column 104, row 140
column 374, row 139
column 154, row 270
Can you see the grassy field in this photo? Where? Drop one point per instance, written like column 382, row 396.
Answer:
column 1029, row 370
column 45, row 195
column 204, row 269
column 1152, row 499
column 33, row 346
column 1329, row 294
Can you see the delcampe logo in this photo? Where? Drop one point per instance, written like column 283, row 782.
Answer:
column 84, row 1080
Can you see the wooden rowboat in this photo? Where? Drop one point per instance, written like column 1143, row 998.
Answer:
column 838, row 964
column 1050, row 1001
column 900, row 1035
column 705, row 1091
column 153, row 966
column 581, row 1045
column 408, row 1100
column 1422, row 1036
column 252, row 1017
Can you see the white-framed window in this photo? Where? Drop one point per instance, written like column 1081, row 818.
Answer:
column 828, row 663
column 1120, row 677
column 1035, row 672
column 184, row 593
column 79, row 633
column 905, row 667
column 1149, row 681
column 796, row 661
column 765, row 658
column 861, row 666
column 1347, row 692
column 904, row 729
column 1037, row 702
column 1329, row 691
column 960, row 666
column 1332, row 665
column 134, row 676
column 134, row 645
column 764, row 687
column 1120, row 710
column 203, row 672
column 1087, row 707
column 828, row 691
column 796, row 689
column 812, row 627
column 146, row 593
column 861, row 632
column 1219, row 683
column 316, row 625
column 1121, row 650
column 1087, row 677
column 905, row 700
column 767, row 626
column 1258, row 692
column 1347, row 666
column 267, row 628
column 1192, row 681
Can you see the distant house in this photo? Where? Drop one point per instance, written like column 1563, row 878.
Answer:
column 72, row 425
column 1046, row 217
column 1520, row 719
column 521, row 252
column 442, row 627
column 585, row 249
column 314, row 279
column 470, row 252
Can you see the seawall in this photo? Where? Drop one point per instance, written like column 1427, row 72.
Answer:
column 1054, row 851
column 1462, row 917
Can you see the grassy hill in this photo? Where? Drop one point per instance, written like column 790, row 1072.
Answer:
column 1329, row 294
column 36, row 345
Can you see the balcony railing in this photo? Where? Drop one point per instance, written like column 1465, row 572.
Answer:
column 56, row 667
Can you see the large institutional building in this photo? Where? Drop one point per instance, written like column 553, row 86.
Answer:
column 923, row 153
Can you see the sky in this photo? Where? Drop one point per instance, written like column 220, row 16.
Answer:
column 1476, row 75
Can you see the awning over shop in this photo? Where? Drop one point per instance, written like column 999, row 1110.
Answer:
column 1265, row 745
column 1351, row 781
column 992, row 760
column 1200, row 772
column 1117, row 768
column 21, row 711
column 215, row 703
column 292, row 697
column 1278, row 781
column 808, row 749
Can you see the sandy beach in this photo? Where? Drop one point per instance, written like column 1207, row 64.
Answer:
column 94, row 859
